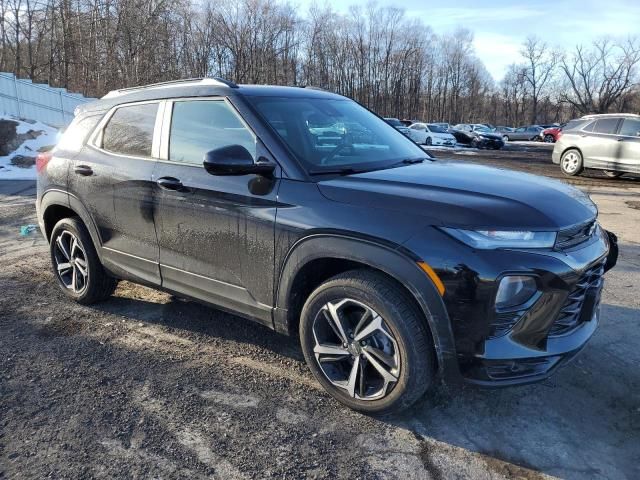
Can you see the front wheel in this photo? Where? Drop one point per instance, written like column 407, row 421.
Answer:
column 428, row 141
column 505, row 138
column 571, row 162
column 549, row 139
column 366, row 343
column 613, row 173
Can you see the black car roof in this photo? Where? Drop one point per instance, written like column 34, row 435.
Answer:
column 204, row 87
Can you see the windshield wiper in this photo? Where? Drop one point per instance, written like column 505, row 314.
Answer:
column 351, row 170
column 336, row 171
column 410, row 161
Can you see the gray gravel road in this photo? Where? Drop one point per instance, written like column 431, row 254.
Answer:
column 146, row 385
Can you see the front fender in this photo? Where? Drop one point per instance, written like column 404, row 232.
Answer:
column 395, row 262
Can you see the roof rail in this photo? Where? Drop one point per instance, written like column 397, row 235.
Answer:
column 203, row 80
column 605, row 115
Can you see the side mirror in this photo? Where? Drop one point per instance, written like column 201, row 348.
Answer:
column 234, row 160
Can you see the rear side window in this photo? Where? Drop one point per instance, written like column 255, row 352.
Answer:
column 630, row 127
column 130, row 130
column 606, row 125
column 198, row 126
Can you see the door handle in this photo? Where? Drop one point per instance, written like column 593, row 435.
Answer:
column 170, row 183
column 621, row 139
column 83, row 170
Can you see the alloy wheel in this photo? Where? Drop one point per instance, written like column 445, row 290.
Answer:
column 70, row 261
column 355, row 349
column 571, row 162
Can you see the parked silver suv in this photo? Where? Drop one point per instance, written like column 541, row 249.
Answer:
column 609, row 142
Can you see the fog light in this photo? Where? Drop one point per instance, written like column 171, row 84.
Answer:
column 514, row 290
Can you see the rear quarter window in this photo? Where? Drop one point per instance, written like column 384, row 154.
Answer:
column 76, row 134
column 130, row 130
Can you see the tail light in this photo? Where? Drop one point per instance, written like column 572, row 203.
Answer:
column 41, row 160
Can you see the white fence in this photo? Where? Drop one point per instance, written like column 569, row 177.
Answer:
column 37, row 101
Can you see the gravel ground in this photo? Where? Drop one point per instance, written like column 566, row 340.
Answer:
column 146, row 385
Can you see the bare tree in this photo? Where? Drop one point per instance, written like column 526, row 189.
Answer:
column 600, row 76
column 540, row 65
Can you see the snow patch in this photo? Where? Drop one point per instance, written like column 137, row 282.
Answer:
column 28, row 148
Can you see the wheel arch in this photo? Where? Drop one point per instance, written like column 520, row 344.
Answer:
column 56, row 205
column 316, row 258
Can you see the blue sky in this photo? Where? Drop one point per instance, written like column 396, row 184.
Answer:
column 501, row 26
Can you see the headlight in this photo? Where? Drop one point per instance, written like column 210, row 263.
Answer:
column 492, row 239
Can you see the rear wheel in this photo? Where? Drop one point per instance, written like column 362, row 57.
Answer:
column 549, row 139
column 613, row 173
column 366, row 343
column 76, row 264
column 505, row 138
column 428, row 141
column 571, row 162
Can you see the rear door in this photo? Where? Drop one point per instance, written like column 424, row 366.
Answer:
column 628, row 157
column 599, row 146
column 113, row 177
column 216, row 233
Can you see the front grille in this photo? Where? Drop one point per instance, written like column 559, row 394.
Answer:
column 573, row 236
column 581, row 302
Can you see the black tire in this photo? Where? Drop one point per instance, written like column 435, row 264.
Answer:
column 428, row 141
column 571, row 162
column 97, row 284
column 549, row 139
column 402, row 319
column 613, row 173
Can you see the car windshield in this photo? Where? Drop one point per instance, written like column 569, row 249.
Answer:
column 330, row 134
column 436, row 128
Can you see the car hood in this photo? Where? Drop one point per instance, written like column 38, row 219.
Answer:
column 465, row 195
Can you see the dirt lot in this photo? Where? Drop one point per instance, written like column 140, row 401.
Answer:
column 149, row 386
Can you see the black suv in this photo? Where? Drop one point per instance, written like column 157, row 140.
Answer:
column 302, row 210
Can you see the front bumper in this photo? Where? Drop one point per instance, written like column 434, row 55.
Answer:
column 553, row 329
column 549, row 330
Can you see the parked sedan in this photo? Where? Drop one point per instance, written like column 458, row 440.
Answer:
column 430, row 134
column 398, row 125
column 532, row 132
column 477, row 136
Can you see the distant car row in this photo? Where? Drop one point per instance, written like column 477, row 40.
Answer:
column 478, row 135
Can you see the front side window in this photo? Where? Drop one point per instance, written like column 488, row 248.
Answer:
column 130, row 130
column 325, row 133
column 630, row 127
column 198, row 126
column 606, row 125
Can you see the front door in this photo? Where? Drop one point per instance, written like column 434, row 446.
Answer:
column 216, row 233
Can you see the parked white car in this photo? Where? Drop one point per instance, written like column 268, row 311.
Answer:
column 430, row 134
